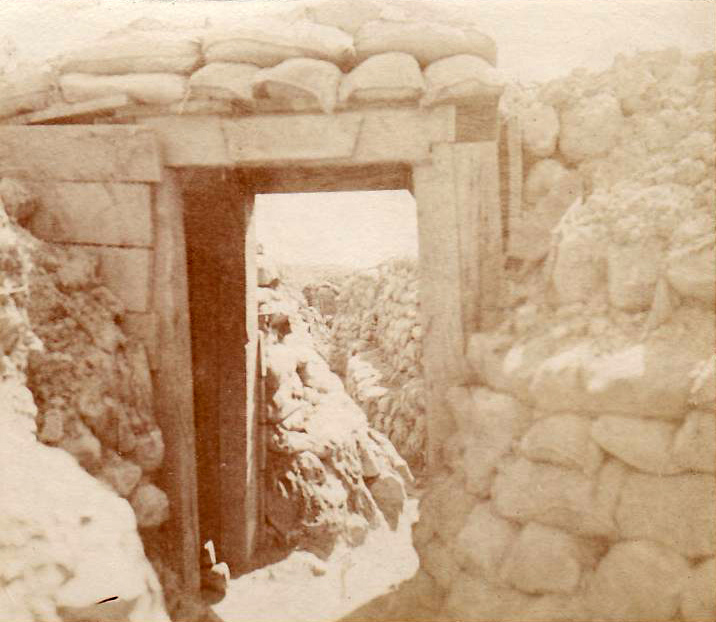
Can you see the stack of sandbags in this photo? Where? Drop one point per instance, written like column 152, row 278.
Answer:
column 150, row 67
column 92, row 384
column 377, row 348
column 26, row 90
column 311, row 58
column 331, row 477
column 66, row 541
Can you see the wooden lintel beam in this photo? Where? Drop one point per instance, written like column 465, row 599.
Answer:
column 330, row 178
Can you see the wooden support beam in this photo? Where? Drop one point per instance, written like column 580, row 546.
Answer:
column 174, row 384
column 66, row 112
column 79, row 153
column 476, row 182
column 330, row 178
column 440, row 301
column 222, row 276
column 93, row 213
column 356, row 137
column 143, row 326
column 511, row 173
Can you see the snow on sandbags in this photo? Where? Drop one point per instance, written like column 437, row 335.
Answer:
column 299, row 78
column 460, row 77
column 25, row 91
column 145, row 52
column 427, row 41
column 268, row 42
column 232, row 81
column 144, row 88
column 392, row 76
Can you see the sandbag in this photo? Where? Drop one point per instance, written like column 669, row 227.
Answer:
column 138, row 52
column 299, row 78
column 144, row 88
column 563, row 440
column 692, row 272
column 461, row 77
column 268, row 42
column 393, row 76
column 347, row 17
column 427, row 41
column 25, row 91
column 232, row 81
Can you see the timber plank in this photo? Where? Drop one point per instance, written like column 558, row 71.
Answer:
column 93, row 213
column 440, row 301
column 189, row 141
column 480, row 226
column 357, row 137
column 282, row 138
column 174, row 385
column 330, row 178
column 63, row 111
column 80, row 153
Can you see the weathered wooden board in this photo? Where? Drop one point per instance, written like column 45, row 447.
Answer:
column 511, row 173
column 189, row 141
column 143, row 326
column 440, row 301
column 286, row 138
column 174, row 405
column 480, row 230
column 330, row 178
column 94, row 213
column 365, row 136
column 222, row 276
column 126, row 272
column 65, row 112
column 80, row 153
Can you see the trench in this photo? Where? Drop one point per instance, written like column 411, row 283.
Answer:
column 319, row 556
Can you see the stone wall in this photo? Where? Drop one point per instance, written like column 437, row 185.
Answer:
column 579, row 481
column 329, row 476
column 377, row 348
column 67, row 540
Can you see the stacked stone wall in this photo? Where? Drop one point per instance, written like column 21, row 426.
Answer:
column 377, row 348
column 330, row 477
column 579, row 482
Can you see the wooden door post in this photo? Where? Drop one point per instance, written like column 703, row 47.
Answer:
column 173, row 387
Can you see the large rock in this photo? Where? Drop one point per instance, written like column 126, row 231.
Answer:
column 639, row 581
column 563, row 440
column 642, row 443
column 692, row 273
column 590, row 128
column 632, row 272
column 695, row 443
column 388, row 491
column 678, row 511
column 483, row 542
column 528, row 491
column 540, row 129
column 650, row 379
column 543, row 559
column 489, row 422
column 698, row 603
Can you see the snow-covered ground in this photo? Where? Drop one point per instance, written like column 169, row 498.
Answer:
column 302, row 588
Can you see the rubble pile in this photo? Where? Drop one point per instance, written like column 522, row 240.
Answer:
column 377, row 348
column 580, row 477
column 67, row 541
column 329, row 475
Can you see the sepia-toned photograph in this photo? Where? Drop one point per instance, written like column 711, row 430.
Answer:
column 357, row 311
